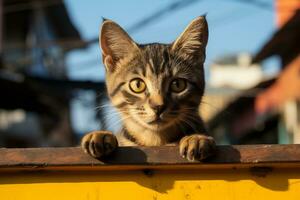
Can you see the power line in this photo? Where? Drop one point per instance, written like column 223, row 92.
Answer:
column 156, row 15
column 175, row 6
column 230, row 18
column 256, row 3
column 223, row 20
column 178, row 5
column 238, row 14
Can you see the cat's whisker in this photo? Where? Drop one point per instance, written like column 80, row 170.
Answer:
column 118, row 122
column 179, row 125
column 212, row 106
column 135, row 76
column 103, row 106
column 112, row 111
column 189, row 124
column 109, row 112
column 186, row 119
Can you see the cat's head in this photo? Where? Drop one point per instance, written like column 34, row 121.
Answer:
column 156, row 85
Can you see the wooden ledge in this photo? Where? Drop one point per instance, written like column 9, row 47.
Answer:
column 126, row 158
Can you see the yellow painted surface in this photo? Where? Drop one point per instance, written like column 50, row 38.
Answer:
column 197, row 184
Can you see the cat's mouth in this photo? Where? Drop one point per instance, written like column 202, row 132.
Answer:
column 157, row 120
column 155, row 124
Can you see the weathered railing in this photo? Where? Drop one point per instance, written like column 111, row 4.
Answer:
column 236, row 172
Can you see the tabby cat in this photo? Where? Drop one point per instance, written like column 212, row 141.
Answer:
column 157, row 89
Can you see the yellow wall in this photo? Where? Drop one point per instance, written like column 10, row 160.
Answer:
column 219, row 184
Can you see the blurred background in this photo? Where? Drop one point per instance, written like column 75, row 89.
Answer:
column 52, row 87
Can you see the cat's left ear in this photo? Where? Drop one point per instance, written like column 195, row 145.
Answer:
column 115, row 43
column 193, row 40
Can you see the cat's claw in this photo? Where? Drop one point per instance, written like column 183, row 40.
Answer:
column 99, row 143
column 197, row 147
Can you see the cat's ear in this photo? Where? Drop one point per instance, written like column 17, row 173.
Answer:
column 115, row 43
column 192, row 41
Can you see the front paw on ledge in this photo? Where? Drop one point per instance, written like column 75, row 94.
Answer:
column 197, row 147
column 99, row 143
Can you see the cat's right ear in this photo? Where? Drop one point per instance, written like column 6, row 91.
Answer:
column 192, row 42
column 115, row 43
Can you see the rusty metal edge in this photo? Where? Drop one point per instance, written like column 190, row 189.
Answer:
column 132, row 158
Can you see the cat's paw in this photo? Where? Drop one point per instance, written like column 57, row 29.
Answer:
column 99, row 143
column 197, row 147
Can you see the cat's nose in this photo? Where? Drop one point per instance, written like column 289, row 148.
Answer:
column 156, row 102
column 159, row 109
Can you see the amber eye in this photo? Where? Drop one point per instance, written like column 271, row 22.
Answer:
column 137, row 85
column 178, row 85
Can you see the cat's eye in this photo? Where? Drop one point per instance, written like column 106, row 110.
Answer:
column 178, row 85
column 137, row 85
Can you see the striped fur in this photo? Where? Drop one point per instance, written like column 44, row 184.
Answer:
column 157, row 65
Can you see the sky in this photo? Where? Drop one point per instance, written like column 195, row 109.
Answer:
column 235, row 26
